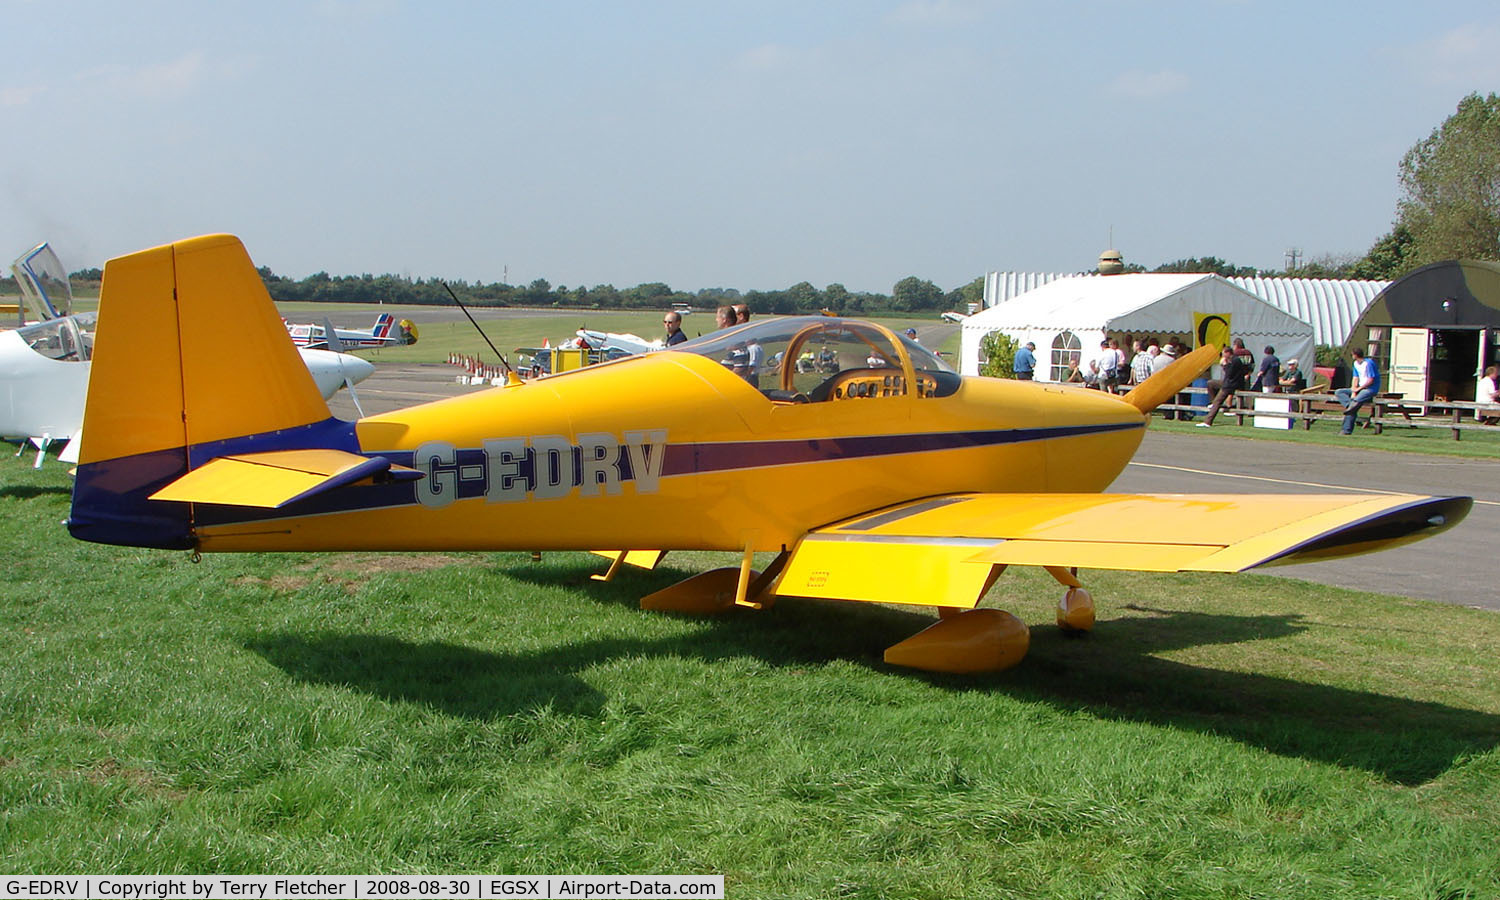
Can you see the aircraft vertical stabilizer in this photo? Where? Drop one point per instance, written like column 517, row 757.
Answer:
column 190, row 359
column 190, row 350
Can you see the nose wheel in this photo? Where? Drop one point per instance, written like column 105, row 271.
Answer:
column 1075, row 611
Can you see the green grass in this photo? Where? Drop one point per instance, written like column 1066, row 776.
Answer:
column 1216, row 737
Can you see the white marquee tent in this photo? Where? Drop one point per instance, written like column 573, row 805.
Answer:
column 1071, row 315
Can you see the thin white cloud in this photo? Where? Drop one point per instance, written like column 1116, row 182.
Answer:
column 155, row 81
column 1464, row 56
column 1139, row 85
column 18, row 96
column 937, row 12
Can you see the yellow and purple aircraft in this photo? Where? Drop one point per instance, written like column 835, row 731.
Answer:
column 880, row 477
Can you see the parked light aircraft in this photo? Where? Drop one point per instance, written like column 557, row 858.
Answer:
column 609, row 344
column 384, row 333
column 893, row 481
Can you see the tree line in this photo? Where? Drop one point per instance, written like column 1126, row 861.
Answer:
column 911, row 294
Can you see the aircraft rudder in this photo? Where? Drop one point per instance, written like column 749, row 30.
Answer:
column 242, row 374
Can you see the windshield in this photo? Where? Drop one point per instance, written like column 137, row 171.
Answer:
column 69, row 339
column 43, row 282
column 815, row 358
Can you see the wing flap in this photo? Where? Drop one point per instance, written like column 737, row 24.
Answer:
column 277, row 478
column 926, row 573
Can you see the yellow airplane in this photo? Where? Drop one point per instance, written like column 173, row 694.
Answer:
column 888, row 479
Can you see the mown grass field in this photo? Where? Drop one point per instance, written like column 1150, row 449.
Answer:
column 1217, row 736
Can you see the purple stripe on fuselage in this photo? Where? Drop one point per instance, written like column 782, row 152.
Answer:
column 689, row 459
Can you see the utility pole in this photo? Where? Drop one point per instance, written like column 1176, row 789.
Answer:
column 1292, row 255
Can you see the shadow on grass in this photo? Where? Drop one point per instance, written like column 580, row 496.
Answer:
column 28, row 491
column 1111, row 674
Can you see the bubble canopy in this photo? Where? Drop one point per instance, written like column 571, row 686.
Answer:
column 815, row 358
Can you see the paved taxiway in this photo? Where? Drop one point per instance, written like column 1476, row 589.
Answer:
column 1455, row 567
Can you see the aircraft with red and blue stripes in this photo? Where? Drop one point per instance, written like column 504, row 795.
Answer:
column 384, row 333
column 881, row 477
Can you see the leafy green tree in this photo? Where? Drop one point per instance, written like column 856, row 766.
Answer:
column 1329, row 265
column 648, row 296
column 999, row 352
column 1451, row 185
column 836, row 297
column 973, row 292
column 1327, row 355
column 1208, row 265
column 912, row 293
column 803, row 297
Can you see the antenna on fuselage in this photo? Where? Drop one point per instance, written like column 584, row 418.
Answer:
column 503, row 361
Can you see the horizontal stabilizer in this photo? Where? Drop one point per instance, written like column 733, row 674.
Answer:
column 278, row 478
column 950, row 542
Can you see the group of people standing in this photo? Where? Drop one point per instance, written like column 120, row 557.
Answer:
column 724, row 317
column 1110, row 369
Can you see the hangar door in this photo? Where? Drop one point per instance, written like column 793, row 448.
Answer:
column 1409, row 354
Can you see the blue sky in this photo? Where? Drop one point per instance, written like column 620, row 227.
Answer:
column 703, row 144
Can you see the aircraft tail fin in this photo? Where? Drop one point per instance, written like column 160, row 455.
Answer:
column 190, row 358
column 1164, row 385
column 382, row 327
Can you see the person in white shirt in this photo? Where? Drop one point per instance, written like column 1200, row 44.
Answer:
column 1141, row 364
column 1488, row 391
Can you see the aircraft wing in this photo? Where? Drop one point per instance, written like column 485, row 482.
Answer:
column 940, row 551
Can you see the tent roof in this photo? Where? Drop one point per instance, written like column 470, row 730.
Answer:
column 1083, row 302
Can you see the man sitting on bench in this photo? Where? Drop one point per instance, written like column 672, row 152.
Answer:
column 1366, row 386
